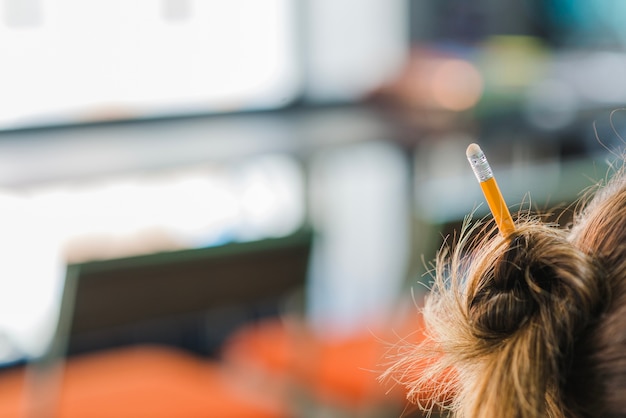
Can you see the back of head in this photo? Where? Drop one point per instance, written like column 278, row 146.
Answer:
column 598, row 383
column 529, row 325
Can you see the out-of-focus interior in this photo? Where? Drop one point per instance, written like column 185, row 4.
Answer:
column 229, row 208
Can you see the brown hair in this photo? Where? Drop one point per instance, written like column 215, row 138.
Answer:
column 529, row 325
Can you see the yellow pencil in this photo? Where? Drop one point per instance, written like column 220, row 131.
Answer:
column 490, row 188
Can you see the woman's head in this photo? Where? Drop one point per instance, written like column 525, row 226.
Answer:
column 529, row 325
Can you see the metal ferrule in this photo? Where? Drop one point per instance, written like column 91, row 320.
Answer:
column 480, row 166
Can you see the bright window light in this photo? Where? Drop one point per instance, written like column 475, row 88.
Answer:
column 260, row 197
column 70, row 61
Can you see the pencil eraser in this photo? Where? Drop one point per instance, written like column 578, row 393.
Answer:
column 473, row 150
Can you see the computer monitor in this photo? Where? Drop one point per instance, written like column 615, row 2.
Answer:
column 165, row 298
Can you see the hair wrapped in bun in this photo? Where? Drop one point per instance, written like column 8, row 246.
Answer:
column 527, row 299
column 528, row 325
column 533, row 275
column 502, row 320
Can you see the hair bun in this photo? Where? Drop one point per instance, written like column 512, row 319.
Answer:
column 538, row 273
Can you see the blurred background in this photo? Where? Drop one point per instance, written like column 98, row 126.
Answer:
column 243, row 198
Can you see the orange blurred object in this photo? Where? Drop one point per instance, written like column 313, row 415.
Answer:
column 342, row 372
column 269, row 369
column 134, row 382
